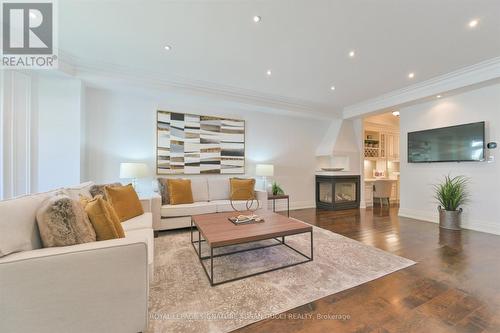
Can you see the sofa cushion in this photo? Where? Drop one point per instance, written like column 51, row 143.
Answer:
column 242, row 189
column 218, row 189
column 194, row 208
column 99, row 189
column 62, row 221
column 77, row 191
column 18, row 228
column 125, row 201
column 225, row 205
column 179, row 191
column 144, row 221
column 199, row 187
column 103, row 218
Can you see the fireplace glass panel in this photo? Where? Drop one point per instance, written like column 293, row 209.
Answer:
column 325, row 192
column 345, row 192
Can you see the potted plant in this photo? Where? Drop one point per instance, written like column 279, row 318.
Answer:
column 451, row 194
column 276, row 189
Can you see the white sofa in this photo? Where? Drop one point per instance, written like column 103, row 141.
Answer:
column 93, row 287
column 210, row 195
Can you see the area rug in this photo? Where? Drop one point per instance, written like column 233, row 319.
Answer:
column 182, row 300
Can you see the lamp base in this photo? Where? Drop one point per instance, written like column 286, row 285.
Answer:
column 268, row 187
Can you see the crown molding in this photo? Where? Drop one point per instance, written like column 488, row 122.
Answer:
column 482, row 72
column 89, row 71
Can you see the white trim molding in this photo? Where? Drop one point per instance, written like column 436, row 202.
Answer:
column 482, row 72
column 428, row 216
column 16, row 132
column 110, row 75
column 281, row 205
column 2, row 132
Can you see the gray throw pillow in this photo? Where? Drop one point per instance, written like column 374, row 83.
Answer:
column 96, row 190
column 63, row 221
column 163, row 187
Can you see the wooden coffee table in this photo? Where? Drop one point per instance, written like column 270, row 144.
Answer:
column 217, row 231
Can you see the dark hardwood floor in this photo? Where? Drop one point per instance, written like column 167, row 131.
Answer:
column 454, row 287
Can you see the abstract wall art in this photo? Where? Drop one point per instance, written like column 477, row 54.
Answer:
column 195, row 144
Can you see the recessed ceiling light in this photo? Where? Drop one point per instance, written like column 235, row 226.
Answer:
column 395, row 113
column 332, row 88
column 268, row 73
column 257, row 19
column 411, row 75
column 352, row 54
column 167, row 47
column 473, row 23
column 438, row 96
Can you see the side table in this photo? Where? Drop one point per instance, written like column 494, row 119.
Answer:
column 278, row 197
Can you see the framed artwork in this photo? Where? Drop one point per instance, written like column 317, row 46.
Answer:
column 194, row 144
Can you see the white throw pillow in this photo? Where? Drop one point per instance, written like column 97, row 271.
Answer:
column 218, row 188
column 18, row 227
column 199, row 187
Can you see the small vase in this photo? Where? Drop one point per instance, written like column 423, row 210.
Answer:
column 450, row 219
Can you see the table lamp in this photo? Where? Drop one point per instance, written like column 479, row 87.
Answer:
column 264, row 170
column 133, row 171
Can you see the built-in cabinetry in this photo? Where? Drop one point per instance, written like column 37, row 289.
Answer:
column 369, row 183
column 368, row 194
column 381, row 144
column 381, row 154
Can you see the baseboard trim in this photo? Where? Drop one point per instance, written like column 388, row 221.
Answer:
column 282, row 207
column 433, row 217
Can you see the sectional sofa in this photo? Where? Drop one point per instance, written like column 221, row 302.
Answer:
column 210, row 195
column 93, row 287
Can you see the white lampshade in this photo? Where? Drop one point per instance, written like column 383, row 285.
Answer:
column 265, row 170
column 133, row 170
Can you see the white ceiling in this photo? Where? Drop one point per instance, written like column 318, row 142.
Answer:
column 216, row 44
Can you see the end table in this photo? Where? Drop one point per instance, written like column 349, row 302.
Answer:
column 278, row 197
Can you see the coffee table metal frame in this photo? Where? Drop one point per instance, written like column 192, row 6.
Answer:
column 197, row 248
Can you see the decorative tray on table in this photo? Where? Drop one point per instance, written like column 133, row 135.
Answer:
column 246, row 219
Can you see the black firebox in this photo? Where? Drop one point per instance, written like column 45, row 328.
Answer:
column 337, row 192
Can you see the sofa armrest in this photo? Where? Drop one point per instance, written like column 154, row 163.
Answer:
column 262, row 197
column 156, row 210
column 93, row 287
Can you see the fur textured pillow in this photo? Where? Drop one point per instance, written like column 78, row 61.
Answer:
column 163, row 187
column 96, row 190
column 63, row 221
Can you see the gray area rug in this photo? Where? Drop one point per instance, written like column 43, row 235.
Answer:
column 182, row 300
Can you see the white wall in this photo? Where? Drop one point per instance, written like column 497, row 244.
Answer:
column 59, row 139
column 416, row 179
column 120, row 127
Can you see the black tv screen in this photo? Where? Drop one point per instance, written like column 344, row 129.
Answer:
column 460, row 143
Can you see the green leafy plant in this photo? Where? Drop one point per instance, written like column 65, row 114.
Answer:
column 452, row 192
column 277, row 190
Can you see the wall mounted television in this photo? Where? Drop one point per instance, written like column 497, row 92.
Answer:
column 461, row 143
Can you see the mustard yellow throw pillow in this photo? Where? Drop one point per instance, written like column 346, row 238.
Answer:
column 179, row 191
column 242, row 189
column 103, row 218
column 124, row 201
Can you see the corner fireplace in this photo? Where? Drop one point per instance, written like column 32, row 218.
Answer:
column 337, row 192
